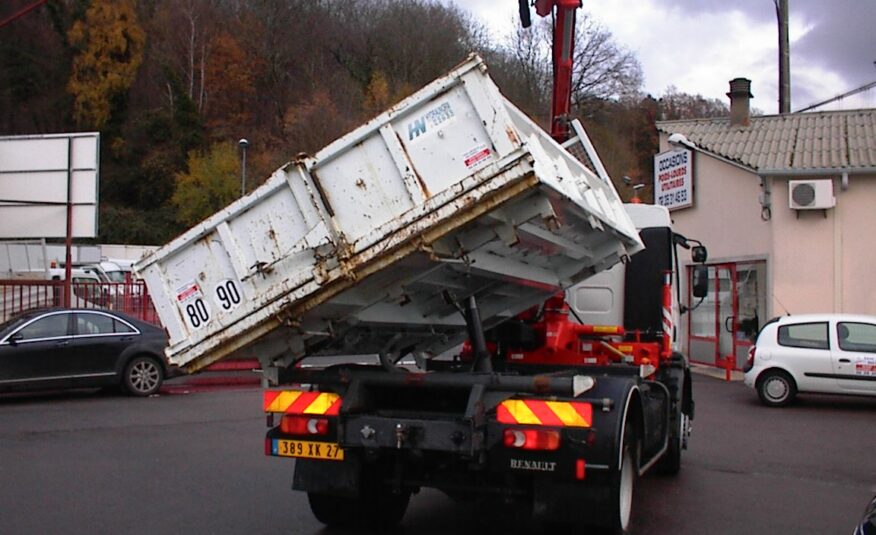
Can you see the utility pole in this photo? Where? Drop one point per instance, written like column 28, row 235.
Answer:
column 784, row 57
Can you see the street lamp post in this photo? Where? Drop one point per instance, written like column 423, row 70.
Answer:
column 243, row 143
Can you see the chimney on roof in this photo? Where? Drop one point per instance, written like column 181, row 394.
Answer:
column 740, row 108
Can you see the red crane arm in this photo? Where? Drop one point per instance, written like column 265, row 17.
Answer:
column 563, row 55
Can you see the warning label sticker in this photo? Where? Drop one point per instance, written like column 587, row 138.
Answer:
column 477, row 157
column 188, row 291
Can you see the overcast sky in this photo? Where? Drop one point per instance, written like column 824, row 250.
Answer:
column 699, row 45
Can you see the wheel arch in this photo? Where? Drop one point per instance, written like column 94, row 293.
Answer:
column 132, row 352
column 775, row 367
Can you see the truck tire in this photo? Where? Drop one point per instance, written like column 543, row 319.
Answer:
column 376, row 510
column 622, row 484
column 776, row 388
column 670, row 463
column 143, row 376
column 334, row 511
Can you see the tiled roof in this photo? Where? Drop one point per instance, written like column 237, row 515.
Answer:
column 797, row 141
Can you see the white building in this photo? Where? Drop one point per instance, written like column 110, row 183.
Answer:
column 787, row 207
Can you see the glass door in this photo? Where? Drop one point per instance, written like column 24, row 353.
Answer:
column 727, row 321
column 725, row 313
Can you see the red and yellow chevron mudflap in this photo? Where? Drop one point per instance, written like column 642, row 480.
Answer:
column 541, row 412
column 298, row 402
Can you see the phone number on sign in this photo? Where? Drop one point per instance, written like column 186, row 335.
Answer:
column 673, row 198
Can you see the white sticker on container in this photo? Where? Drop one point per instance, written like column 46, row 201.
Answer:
column 195, row 309
column 227, row 296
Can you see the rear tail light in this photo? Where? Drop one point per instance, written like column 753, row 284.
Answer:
column 532, row 439
column 749, row 363
column 303, row 425
column 580, row 469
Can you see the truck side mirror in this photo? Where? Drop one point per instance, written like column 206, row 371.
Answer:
column 699, row 254
column 700, row 281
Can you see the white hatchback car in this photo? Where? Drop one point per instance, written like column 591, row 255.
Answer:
column 821, row 353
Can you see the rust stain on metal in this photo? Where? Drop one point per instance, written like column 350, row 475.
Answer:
column 430, row 235
column 321, row 193
column 412, row 169
column 272, row 235
column 541, row 384
column 552, row 223
column 512, row 136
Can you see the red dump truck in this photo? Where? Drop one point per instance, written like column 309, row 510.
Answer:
column 523, row 321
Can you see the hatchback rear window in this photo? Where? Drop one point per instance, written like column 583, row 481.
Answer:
column 806, row 335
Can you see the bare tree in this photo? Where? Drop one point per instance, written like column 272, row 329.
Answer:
column 603, row 69
column 677, row 105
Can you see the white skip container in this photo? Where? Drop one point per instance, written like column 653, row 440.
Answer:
column 363, row 247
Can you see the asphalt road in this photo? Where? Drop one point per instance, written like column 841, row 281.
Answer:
column 97, row 463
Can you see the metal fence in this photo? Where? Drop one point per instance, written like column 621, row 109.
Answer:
column 132, row 298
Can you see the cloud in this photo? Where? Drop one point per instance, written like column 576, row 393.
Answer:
column 837, row 37
column 699, row 45
column 842, row 39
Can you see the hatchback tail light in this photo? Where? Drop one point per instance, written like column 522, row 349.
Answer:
column 749, row 363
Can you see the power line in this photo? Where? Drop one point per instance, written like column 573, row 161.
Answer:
column 861, row 89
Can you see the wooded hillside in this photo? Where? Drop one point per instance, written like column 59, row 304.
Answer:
column 172, row 85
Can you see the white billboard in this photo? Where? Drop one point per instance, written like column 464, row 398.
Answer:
column 673, row 179
column 39, row 176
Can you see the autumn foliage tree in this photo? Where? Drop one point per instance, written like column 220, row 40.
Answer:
column 210, row 183
column 109, row 44
column 229, row 82
column 173, row 84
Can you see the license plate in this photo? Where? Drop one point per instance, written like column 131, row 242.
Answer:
column 307, row 450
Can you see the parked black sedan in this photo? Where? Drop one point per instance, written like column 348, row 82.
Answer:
column 79, row 348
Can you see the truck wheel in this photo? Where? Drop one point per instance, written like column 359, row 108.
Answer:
column 386, row 509
column 377, row 510
column 143, row 376
column 679, row 429
column 670, row 464
column 623, row 482
column 335, row 511
column 776, row 388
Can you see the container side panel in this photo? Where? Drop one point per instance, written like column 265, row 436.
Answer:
column 446, row 140
column 363, row 187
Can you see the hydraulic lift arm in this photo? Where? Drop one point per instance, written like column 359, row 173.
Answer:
column 563, row 54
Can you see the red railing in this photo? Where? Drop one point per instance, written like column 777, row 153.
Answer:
column 130, row 298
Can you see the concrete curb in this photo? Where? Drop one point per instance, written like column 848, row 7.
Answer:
column 223, row 373
column 715, row 372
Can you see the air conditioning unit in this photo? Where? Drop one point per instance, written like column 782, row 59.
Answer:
column 811, row 194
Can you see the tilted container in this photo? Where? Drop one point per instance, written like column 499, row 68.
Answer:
column 365, row 246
